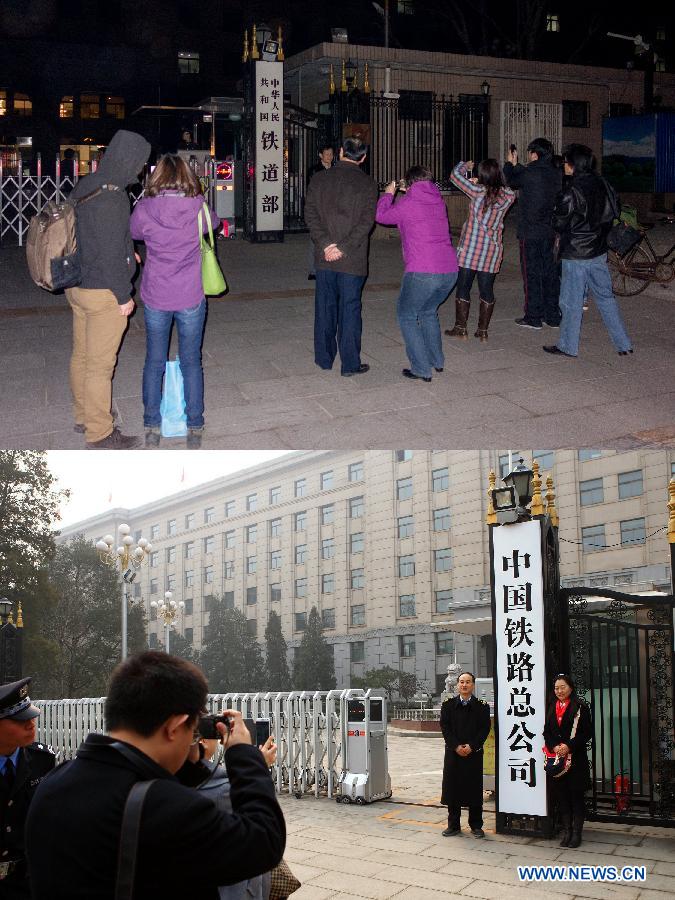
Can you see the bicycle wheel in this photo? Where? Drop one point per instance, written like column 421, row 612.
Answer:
column 622, row 269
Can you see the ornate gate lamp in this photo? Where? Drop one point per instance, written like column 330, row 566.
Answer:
column 169, row 610
column 510, row 503
column 126, row 559
column 11, row 636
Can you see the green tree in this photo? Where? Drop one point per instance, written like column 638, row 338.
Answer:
column 394, row 682
column 231, row 657
column 178, row 646
column 278, row 676
column 314, row 666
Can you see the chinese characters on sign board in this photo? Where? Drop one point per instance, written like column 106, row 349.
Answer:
column 269, row 154
column 521, row 685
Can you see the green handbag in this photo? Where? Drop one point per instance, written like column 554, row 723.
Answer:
column 213, row 280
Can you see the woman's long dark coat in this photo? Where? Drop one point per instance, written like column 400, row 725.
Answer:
column 578, row 778
column 463, row 775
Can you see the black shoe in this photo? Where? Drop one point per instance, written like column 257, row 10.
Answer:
column 525, row 324
column 152, row 438
column 439, row 370
column 311, row 277
column 478, row 832
column 364, row 367
column 194, row 438
column 624, row 352
column 408, row 374
column 451, row 832
column 551, row 348
column 553, row 324
column 115, row 441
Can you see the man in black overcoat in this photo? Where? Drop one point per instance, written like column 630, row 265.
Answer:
column 465, row 723
column 23, row 765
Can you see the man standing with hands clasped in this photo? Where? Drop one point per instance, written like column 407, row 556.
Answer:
column 465, row 723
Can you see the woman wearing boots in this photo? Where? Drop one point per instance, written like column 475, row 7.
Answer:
column 480, row 245
column 565, row 733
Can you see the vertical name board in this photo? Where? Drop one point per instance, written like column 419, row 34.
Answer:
column 269, row 152
column 520, row 667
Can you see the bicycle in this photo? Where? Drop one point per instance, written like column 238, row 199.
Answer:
column 641, row 266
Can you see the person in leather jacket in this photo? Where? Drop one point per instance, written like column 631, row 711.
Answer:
column 583, row 215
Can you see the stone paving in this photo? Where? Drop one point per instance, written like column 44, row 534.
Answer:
column 264, row 391
column 396, row 849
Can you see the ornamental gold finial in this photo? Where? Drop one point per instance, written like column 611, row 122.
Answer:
column 19, row 617
column 550, row 503
column 366, row 84
column 244, row 56
column 10, row 618
column 671, row 510
column 280, row 51
column 343, row 84
column 331, row 82
column 491, row 518
column 537, row 504
column 254, row 43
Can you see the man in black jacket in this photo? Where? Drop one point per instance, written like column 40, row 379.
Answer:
column 187, row 846
column 102, row 302
column 583, row 217
column 538, row 185
column 340, row 214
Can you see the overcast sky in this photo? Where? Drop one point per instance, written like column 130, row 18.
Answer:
column 106, row 479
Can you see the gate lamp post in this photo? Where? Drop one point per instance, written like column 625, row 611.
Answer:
column 510, row 502
column 169, row 610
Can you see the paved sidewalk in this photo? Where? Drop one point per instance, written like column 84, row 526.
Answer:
column 264, row 391
column 396, row 849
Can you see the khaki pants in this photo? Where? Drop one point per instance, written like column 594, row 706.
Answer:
column 98, row 329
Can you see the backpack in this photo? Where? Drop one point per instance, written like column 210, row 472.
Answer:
column 51, row 244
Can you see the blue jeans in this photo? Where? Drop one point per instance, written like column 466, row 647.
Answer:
column 337, row 319
column 578, row 275
column 421, row 295
column 190, row 325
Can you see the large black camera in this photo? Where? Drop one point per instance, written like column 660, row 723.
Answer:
column 207, row 726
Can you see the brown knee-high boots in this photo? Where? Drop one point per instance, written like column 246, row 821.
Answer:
column 484, row 316
column 461, row 315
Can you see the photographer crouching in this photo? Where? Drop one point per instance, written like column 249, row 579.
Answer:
column 184, row 845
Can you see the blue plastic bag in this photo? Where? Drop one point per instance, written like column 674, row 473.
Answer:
column 172, row 407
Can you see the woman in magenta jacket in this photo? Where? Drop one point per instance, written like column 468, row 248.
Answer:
column 430, row 266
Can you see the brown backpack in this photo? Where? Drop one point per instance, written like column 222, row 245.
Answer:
column 51, row 244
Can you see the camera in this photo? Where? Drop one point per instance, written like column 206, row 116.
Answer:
column 207, row 726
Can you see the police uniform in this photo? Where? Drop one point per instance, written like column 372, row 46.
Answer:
column 464, row 723
column 21, row 771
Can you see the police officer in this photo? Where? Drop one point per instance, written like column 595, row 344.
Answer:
column 23, row 765
column 465, row 723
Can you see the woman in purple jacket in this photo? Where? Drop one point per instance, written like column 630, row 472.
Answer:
column 171, row 289
column 430, row 266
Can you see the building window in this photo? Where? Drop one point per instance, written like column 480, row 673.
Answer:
column 189, row 521
column 300, row 521
column 189, row 605
column 300, row 587
column 355, row 471
column 405, row 7
column 445, row 643
column 633, row 532
column 229, row 508
column 439, row 480
column 90, row 106
column 3, row 103
column 209, row 544
column 659, row 64
column 358, row 579
column 152, row 641
column 251, row 503
column 593, row 538
column 403, row 455
column 252, row 627
column 251, row 596
column 228, row 600
column 406, row 605
column 170, row 582
column 208, row 574
column 356, row 542
column 328, row 618
column 328, row 514
column 275, row 593
column 301, row 554
column 443, row 560
column 553, row 23
column 189, row 578
column 300, row 621
column 251, row 534
column 406, row 645
column 154, row 585
column 591, row 492
column 275, row 496
column 275, row 559
column 188, row 635
column 443, row 601
column 66, row 108
column 357, row 651
column 328, row 583
column 442, row 519
column 137, row 591
column 300, row 487
column 229, row 568
column 326, row 480
column 406, row 566
column 356, row 507
column 576, row 113
column 620, row 109
column 327, row 548
column 171, row 555
column 154, row 559
column 251, row 565
column 208, row 603
column 230, row 540
column 630, row 484
column 358, row 614
column 544, row 458
column 406, row 526
column 189, row 549
column 23, row 105
column 154, row 532
column 171, row 528
column 114, row 106
column 275, row 528
column 404, row 489
column 585, row 454
column 506, row 462
column 660, row 32
column 209, row 515
column 188, row 62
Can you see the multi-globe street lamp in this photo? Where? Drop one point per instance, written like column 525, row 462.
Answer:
column 126, row 559
column 168, row 610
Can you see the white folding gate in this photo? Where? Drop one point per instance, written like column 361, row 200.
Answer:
column 522, row 122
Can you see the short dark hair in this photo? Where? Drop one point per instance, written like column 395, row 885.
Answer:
column 146, row 689
column 473, row 677
column 542, row 147
column 417, row 173
column 353, row 148
column 323, row 147
column 580, row 157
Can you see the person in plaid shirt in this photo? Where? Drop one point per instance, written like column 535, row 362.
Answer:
column 481, row 247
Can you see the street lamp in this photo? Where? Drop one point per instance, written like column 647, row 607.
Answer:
column 510, row 502
column 485, row 88
column 5, row 610
column 169, row 610
column 126, row 559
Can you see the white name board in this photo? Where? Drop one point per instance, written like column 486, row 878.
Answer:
column 269, row 152
column 521, row 673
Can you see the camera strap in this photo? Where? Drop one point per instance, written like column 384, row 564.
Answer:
column 131, row 823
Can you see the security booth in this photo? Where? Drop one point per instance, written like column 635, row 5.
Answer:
column 365, row 777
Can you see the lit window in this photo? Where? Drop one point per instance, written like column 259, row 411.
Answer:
column 630, row 484
column 553, row 23
column 114, row 106
column 188, row 62
column 23, row 105
column 90, row 107
column 3, row 103
column 406, row 643
column 406, row 605
column 66, row 108
column 633, row 532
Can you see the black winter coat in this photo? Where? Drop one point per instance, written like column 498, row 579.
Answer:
column 578, row 777
column 538, row 184
column 187, row 846
column 463, row 775
column 583, row 216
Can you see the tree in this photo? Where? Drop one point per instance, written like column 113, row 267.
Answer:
column 314, row 667
column 393, row 681
column 278, row 675
column 178, row 646
column 231, row 657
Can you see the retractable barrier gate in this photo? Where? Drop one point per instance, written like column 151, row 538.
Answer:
column 316, row 750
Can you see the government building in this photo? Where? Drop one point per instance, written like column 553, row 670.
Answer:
column 390, row 546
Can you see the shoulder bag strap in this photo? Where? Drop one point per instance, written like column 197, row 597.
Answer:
column 208, row 222
column 131, row 822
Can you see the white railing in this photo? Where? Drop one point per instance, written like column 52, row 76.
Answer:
column 417, row 715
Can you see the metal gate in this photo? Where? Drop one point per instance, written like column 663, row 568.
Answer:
column 621, row 655
column 522, row 122
column 302, row 134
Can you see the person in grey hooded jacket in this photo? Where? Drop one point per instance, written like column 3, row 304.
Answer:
column 102, row 302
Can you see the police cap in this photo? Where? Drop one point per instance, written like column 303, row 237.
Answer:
column 15, row 703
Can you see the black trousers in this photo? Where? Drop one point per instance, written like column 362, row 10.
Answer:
column 571, row 805
column 486, row 283
column 475, row 815
column 541, row 281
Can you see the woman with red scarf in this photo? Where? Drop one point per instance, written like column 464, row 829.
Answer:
column 568, row 790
